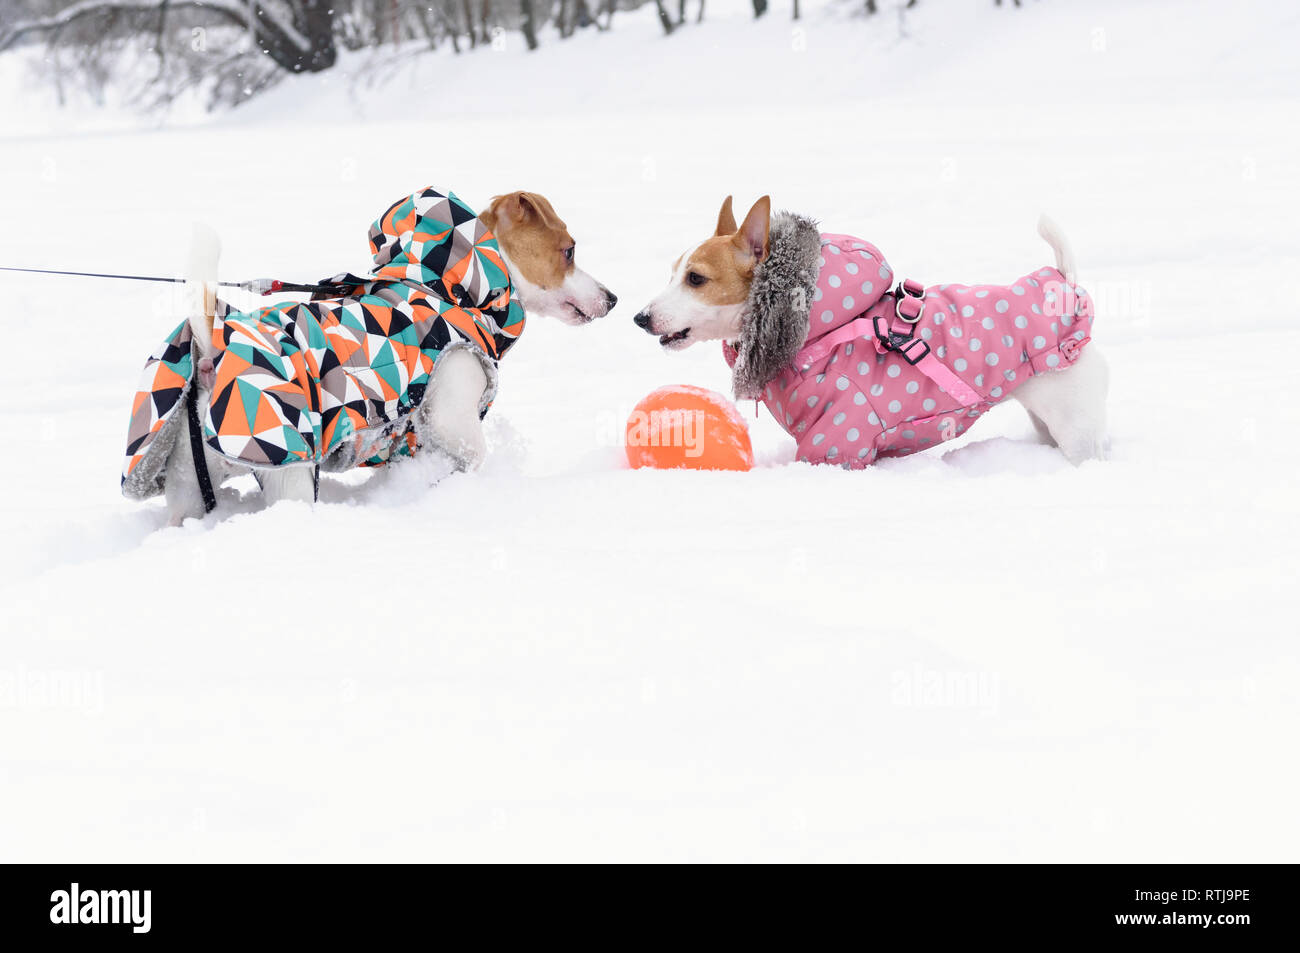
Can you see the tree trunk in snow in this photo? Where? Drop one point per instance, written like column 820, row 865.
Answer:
column 665, row 20
column 529, row 26
column 314, row 21
column 468, row 11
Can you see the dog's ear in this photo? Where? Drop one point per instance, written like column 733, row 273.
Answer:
column 538, row 207
column 726, row 220
column 517, row 208
column 751, row 239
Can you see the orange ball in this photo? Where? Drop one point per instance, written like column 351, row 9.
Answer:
column 689, row 428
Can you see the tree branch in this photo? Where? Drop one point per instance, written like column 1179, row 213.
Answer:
column 297, row 47
column 87, row 8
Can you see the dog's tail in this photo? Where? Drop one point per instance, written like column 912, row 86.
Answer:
column 201, row 285
column 1053, row 235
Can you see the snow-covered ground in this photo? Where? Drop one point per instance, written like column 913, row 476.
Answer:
column 980, row 653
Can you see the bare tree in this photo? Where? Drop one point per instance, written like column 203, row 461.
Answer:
column 298, row 35
column 468, row 13
column 438, row 22
column 529, row 25
column 665, row 20
column 583, row 16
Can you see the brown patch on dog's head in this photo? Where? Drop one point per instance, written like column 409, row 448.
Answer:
column 533, row 237
column 720, row 269
column 706, row 298
column 542, row 259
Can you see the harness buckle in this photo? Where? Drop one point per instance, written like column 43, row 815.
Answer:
column 888, row 339
column 915, row 351
column 881, row 329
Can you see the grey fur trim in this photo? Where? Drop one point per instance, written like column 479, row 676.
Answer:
column 774, row 324
column 149, row 477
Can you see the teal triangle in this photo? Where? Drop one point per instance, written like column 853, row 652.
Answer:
column 250, row 397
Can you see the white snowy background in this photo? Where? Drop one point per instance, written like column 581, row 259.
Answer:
column 980, row 653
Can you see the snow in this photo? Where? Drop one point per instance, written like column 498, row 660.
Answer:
column 980, row 653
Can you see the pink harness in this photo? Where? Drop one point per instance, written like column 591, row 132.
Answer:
column 887, row 371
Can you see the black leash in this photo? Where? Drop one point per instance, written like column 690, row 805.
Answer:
column 258, row 286
column 96, row 274
column 196, row 447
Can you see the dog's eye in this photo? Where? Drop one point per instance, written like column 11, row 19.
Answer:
column 695, row 279
column 568, row 254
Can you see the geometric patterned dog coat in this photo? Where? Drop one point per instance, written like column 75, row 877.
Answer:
column 333, row 381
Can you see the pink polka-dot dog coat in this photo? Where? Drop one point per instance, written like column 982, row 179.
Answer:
column 848, row 397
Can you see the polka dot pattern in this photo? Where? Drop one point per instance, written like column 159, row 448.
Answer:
column 856, row 404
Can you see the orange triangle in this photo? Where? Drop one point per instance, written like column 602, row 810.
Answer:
column 267, row 418
column 164, row 377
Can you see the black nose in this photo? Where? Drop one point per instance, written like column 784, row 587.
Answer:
column 642, row 321
column 611, row 299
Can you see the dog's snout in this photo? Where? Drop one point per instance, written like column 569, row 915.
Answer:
column 642, row 320
column 611, row 299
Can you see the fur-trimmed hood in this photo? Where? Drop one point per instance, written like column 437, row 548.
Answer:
column 774, row 323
